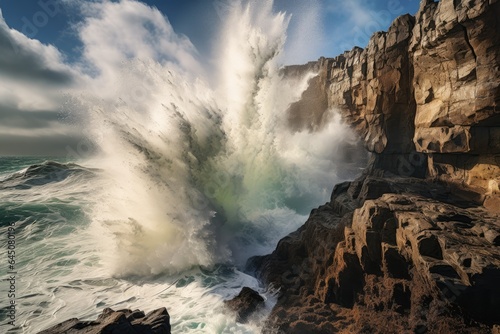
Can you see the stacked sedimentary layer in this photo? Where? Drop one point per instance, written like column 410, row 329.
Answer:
column 413, row 245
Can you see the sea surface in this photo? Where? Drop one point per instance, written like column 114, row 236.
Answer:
column 59, row 272
column 62, row 265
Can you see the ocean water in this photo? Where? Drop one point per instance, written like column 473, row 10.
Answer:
column 193, row 169
column 59, row 268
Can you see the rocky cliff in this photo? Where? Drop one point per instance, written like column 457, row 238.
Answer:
column 413, row 245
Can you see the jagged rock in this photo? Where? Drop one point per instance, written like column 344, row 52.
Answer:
column 413, row 245
column 246, row 303
column 407, row 258
column 117, row 322
column 308, row 113
column 372, row 89
column 430, row 84
column 444, row 243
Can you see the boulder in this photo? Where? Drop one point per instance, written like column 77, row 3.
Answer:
column 246, row 303
column 117, row 322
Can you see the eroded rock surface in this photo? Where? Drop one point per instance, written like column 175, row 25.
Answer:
column 246, row 303
column 424, row 96
column 413, row 245
column 411, row 254
column 117, row 322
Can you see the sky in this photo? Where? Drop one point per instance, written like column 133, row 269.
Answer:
column 50, row 49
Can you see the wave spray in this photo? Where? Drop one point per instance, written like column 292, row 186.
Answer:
column 200, row 166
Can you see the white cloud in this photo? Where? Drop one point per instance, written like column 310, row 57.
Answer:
column 35, row 80
column 26, row 59
column 357, row 12
column 33, row 75
column 329, row 27
column 114, row 32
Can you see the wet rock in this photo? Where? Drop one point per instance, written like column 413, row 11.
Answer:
column 117, row 322
column 405, row 256
column 246, row 303
column 413, row 245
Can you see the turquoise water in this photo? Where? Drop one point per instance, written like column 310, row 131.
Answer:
column 42, row 219
column 14, row 164
column 60, row 268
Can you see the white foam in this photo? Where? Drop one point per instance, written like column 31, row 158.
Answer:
column 189, row 163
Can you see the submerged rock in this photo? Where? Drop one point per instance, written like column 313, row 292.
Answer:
column 117, row 322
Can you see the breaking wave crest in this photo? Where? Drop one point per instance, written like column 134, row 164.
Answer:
column 200, row 166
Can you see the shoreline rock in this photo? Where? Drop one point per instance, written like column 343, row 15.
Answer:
column 405, row 257
column 245, row 304
column 117, row 322
column 412, row 245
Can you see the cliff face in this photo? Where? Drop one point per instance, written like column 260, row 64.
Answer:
column 425, row 95
column 413, row 245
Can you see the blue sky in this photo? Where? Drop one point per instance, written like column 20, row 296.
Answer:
column 50, row 49
column 339, row 25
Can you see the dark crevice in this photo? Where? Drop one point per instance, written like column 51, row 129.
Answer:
column 466, row 35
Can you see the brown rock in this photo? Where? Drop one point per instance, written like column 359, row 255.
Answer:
column 117, row 322
column 246, row 303
column 433, row 264
column 412, row 246
column 431, row 84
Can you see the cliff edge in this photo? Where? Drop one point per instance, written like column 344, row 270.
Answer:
column 412, row 245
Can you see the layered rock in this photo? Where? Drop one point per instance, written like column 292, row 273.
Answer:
column 407, row 257
column 458, row 110
column 407, row 238
column 430, row 85
column 413, row 245
column 399, row 250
